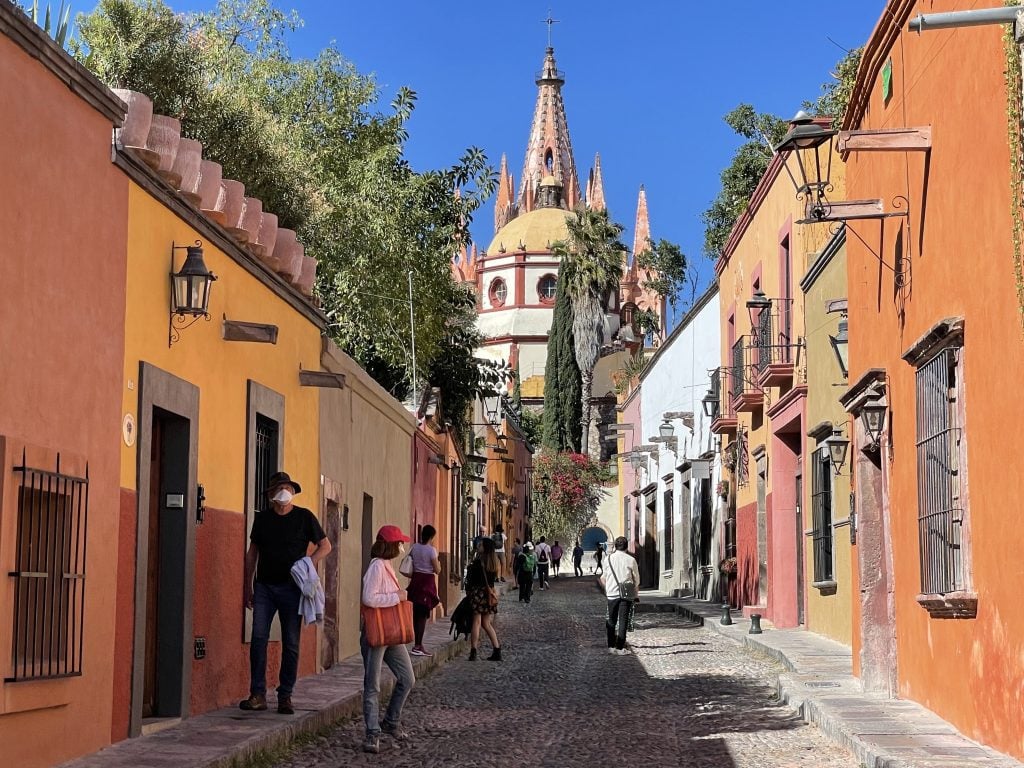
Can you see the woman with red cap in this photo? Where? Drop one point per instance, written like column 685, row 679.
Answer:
column 381, row 590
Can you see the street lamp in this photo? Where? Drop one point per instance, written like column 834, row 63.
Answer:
column 666, row 430
column 805, row 141
column 190, row 289
column 711, row 404
column 841, row 347
column 757, row 304
column 837, row 448
column 873, row 416
column 635, row 460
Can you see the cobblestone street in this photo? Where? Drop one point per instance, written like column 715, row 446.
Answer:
column 685, row 696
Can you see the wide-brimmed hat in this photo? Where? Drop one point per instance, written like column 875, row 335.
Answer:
column 528, row 545
column 391, row 534
column 281, row 478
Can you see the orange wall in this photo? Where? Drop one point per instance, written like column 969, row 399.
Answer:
column 969, row 671
column 61, row 343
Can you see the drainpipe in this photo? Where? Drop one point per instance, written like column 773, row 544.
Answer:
column 1007, row 15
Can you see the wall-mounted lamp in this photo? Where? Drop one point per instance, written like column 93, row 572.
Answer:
column 712, row 404
column 666, row 430
column 635, row 460
column 841, row 347
column 804, row 142
column 837, row 448
column 757, row 304
column 492, row 407
column 190, row 290
column 873, row 416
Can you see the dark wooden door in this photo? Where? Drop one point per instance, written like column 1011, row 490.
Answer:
column 149, row 686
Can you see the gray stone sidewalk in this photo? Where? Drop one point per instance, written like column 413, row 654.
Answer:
column 228, row 737
column 819, row 682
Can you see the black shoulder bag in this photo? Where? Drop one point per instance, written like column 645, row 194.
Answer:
column 627, row 590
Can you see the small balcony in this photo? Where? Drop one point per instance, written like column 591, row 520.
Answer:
column 746, row 393
column 724, row 420
column 773, row 353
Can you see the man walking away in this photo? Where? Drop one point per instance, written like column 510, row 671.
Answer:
column 524, row 571
column 577, row 559
column 517, row 548
column 543, row 562
column 498, row 537
column 280, row 536
column 621, row 585
column 556, row 559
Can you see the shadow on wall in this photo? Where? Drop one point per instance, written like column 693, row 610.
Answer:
column 743, row 586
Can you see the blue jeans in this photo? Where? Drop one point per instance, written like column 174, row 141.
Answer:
column 268, row 599
column 398, row 661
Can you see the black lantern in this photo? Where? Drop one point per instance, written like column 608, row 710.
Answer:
column 808, row 142
column 635, row 460
column 873, row 416
column 837, row 448
column 840, row 346
column 711, row 404
column 757, row 304
column 190, row 289
column 666, row 430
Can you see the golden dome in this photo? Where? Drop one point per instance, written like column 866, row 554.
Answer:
column 536, row 230
column 550, row 181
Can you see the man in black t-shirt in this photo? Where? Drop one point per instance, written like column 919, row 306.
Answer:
column 279, row 537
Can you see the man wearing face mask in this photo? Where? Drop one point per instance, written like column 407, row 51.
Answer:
column 279, row 537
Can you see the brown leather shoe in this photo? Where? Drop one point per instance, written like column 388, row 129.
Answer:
column 255, row 703
column 284, row 705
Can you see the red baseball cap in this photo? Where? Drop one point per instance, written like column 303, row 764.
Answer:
column 391, row 533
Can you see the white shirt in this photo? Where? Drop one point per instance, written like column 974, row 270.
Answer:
column 542, row 547
column 380, row 585
column 622, row 564
column 311, row 604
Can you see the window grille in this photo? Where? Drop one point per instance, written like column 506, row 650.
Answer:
column 763, row 340
column 736, row 373
column 940, row 514
column 49, row 588
column 669, row 528
column 821, row 509
column 266, row 458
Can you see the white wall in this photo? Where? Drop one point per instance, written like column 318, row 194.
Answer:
column 676, row 379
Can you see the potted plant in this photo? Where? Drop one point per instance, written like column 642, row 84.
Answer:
column 728, row 566
column 722, row 489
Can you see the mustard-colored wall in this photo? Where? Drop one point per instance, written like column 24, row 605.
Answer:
column 219, row 368
column 827, row 614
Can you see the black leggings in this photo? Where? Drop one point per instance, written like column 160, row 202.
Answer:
column 420, row 614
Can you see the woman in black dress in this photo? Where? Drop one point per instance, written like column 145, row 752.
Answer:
column 480, row 578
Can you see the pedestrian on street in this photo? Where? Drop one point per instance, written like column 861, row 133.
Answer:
column 598, row 558
column 543, row 562
column 621, row 585
column 517, row 549
column 527, row 562
column 480, row 579
column 422, row 588
column 280, row 536
column 499, row 550
column 381, row 590
column 577, row 559
column 556, row 558
column 480, row 533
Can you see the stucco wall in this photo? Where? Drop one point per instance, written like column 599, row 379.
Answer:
column 61, row 335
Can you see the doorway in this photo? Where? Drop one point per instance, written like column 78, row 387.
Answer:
column 800, row 549
column 368, row 534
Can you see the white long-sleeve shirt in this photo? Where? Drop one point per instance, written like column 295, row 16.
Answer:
column 311, row 604
column 622, row 564
column 380, row 585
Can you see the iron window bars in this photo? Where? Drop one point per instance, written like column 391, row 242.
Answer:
column 821, row 510
column 49, row 590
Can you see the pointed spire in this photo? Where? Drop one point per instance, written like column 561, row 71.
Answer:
column 642, row 228
column 595, row 187
column 549, row 150
column 503, row 205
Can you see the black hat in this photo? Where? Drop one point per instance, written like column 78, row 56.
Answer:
column 279, row 478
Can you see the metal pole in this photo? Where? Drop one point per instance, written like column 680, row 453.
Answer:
column 976, row 18
column 412, row 334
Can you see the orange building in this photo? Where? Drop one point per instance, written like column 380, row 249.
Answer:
column 936, row 362
column 61, row 342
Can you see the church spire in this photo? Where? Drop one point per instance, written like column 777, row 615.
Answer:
column 642, row 228
column 595, row 186
column 503, row 206
column 549, row 150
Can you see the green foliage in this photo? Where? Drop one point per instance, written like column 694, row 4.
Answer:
column 562, row 402
column 569, row 489
column 306, row 137
column 1015, row 137
column 665, row 264
column 634, row 366
column 836, row 93
column 532, row 424
column 57, row 27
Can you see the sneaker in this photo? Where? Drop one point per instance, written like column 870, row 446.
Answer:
column 284, row 705
column 255, row 703
column 394, row 731
column 372, row 744
column 613, row 652
column 420, row 651
column 623, row 652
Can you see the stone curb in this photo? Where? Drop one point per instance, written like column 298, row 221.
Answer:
column 831, row 723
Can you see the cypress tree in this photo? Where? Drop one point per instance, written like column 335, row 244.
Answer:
column 562, row 382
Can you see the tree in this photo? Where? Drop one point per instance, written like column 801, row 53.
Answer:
column 836, row 92
column 592, row 261
column 664, row 266
column 562, row 404
column 569, row 488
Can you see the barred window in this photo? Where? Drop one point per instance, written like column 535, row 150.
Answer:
column 669, row 528
column 821, row 508
column 49, row 591
column 940, row 511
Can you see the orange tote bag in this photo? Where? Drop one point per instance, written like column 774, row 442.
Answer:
column 388, row 626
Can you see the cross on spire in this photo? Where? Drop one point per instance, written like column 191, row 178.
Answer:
column 550, row 22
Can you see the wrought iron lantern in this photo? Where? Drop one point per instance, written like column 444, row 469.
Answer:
column 711, row 404
column 757, row 304
column 841, row 347
column 808, row 142
column 635, row 460
column 190, row 289
column 666, row 430
column 837, row 448
column 873, row 416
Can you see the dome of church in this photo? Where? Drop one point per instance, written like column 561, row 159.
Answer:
column 536, row 230
column 550, row 181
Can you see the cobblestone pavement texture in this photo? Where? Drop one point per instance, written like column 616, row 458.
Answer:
column 684, row 696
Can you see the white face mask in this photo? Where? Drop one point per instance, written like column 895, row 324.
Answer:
column 283, row 496
column 401, row 548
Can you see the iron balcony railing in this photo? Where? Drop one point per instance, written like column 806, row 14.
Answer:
column 771, row 345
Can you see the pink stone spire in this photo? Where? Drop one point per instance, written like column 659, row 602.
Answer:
column 595, row 186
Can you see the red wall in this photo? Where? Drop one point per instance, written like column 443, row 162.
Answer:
column 743, row 586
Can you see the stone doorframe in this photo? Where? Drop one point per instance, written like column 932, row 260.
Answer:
column 159, row 389
column 872, row 527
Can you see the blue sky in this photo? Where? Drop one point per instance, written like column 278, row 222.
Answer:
column 647, row 83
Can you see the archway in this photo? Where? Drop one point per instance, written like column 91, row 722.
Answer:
column 594, row 536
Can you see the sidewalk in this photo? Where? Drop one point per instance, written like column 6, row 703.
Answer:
column 228, row 738
column 819, row 682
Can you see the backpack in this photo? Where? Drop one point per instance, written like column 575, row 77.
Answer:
column 499, row 540
column 527, row 563
column 462, row 619
column 543, row 556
